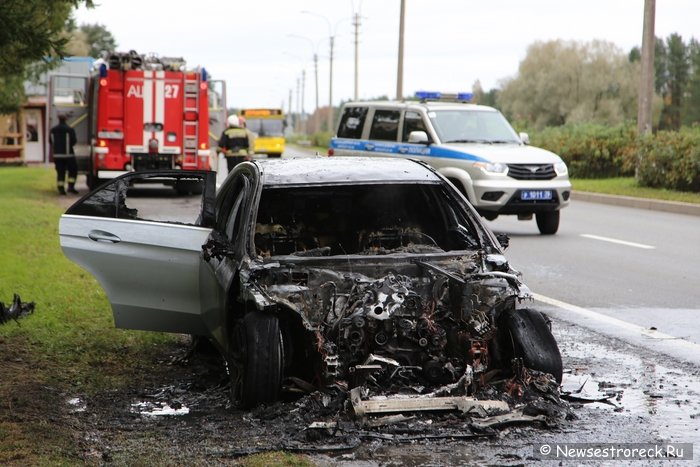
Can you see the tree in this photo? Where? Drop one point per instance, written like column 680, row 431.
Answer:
column 98, row 38
column 566, row 81
column 691, row 104
column 477, row 92
column 673, row 81
column 31, row 33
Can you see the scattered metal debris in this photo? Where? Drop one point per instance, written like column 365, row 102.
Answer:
column 581, row 388
column 403, row 404
column 155, row 409
column 16, row 310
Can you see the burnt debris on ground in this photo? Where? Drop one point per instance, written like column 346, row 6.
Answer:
column 16, row 310
column 339, row 418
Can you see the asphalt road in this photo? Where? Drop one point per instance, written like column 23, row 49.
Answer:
column 634, row 264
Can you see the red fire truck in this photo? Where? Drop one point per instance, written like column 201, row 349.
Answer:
column 142, row 113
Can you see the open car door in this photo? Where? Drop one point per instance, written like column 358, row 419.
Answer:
column 142, row 242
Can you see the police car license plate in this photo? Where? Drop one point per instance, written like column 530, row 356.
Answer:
column 536, row 195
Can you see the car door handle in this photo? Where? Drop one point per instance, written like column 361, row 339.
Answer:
column 102, row 236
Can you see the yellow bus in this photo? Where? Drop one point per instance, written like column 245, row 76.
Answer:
column 268, row 126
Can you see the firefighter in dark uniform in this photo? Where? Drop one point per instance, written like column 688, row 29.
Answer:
column 235, row 143
column 62, row 141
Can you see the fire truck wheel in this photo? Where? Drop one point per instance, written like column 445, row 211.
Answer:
column 263, row 359
column 526, row 334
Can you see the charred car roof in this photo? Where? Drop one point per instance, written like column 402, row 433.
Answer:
column 354, row 170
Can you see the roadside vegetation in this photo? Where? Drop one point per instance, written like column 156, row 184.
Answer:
column 628, row 186
column 68, row 347
column 666, row 160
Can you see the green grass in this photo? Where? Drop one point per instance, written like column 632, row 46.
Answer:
column 627, row 186
column 276, row 458
column 69, row 345
column 72, row 324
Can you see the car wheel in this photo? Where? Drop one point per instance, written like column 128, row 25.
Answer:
column 547, row 222
column 263, row 359
column 526, row 334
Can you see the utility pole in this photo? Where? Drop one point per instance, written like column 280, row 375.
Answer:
column 316, row 123
column 399, row 74
column 646, row 86
column 303, row 104
column 356, row 24
column 289, row 112
column 296, row 122
column 331, row 35
column 330, row 91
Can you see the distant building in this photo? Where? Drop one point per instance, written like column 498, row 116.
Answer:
column 24, row 135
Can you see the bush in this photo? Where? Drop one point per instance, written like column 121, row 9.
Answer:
column 671, row 159
column 591, row 150
column 321, row 139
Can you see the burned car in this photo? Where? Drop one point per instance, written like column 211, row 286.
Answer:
column 311, row 272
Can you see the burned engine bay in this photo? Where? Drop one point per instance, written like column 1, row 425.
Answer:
column 397, row 307
column 396, row 324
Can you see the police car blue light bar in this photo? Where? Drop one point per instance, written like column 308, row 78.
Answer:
column 425, row 95
column 438, row 96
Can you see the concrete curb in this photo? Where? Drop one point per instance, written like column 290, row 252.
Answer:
column 639, row 203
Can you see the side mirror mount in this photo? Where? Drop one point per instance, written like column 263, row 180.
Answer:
column 418, row 137
column 524, row 137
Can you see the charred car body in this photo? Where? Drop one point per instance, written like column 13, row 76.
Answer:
column 312, row 272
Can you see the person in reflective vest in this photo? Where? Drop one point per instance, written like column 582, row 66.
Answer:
column 62, row 140
column 235, row 143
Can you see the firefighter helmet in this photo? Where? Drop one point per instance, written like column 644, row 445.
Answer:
column 233, row 120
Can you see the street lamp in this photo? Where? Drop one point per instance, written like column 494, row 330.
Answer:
column 331, row 34
column 315, row 57
column 356, row 25
column 301, row 87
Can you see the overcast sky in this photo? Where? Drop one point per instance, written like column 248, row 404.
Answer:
column 449, row 44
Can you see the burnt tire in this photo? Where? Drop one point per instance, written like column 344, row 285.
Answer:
column 547, row 222
column 526, row 334
column 263, row 360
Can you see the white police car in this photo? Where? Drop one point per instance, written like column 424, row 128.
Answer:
column 471, row 145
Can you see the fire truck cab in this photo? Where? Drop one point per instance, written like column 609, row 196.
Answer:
column 145, row 113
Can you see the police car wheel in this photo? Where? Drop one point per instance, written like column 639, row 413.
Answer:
column 547, row 222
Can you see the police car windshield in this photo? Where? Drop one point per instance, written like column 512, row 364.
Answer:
column 472, row 126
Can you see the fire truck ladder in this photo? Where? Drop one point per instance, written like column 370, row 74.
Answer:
column 190, row 130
